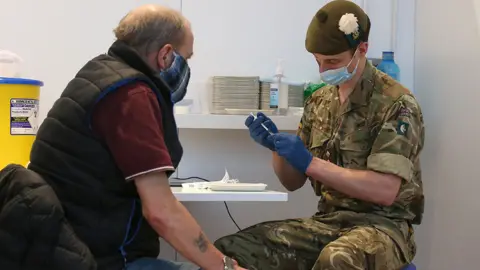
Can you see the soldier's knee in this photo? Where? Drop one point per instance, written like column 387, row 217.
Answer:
column 336, row 256
column 222, row 243
column 233, row 244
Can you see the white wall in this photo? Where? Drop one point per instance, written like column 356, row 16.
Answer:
column 233, row 37
column 446, row 79
column 55, row 38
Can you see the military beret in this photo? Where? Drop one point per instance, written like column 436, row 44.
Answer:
column 337, row 27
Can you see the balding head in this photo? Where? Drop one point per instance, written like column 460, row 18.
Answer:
column 154, row 31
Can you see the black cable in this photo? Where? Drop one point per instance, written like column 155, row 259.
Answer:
column 230, row 215
column 190, row 178
column 206, row 180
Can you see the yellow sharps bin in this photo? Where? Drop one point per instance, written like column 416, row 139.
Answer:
column 19, row 108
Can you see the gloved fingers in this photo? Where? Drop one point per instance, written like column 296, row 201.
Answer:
column 282, row 153
column 256, row 123
column 283, row 150
column 279, row 143
column 262, row 115
column 271, row 126
column 281, row 137
column 282, row 145
column 253, row 126
column 259, row 131
column 269, row 138
column 249, row 121
column 274, row 137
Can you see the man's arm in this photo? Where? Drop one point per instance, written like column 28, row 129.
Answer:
column 364, row 185
column 290, row 178
column 171, row 220
column 390, row 161
column 129, row 120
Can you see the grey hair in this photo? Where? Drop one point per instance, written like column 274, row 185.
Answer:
column 151, row 27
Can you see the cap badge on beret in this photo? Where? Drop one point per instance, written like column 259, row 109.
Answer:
column 348, row 24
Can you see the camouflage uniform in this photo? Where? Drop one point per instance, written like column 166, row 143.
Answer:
column 379, row 128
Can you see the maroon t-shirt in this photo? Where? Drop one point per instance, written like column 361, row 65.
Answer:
column 129, row 120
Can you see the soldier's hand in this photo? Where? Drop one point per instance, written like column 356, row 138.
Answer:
column 258, row 132
column 292, row 149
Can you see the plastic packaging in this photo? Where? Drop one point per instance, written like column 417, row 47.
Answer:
column 226, row 184
column 10, row 64
column 388, row 65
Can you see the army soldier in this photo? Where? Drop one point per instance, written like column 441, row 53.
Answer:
column 358, row 143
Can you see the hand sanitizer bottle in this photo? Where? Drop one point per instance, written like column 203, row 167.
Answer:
column 275, row 87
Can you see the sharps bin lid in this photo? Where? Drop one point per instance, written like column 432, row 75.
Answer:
column 4, row 80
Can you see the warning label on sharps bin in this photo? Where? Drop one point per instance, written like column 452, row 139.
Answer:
column 23, row 116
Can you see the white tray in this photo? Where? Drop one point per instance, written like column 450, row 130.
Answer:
column 237, row 187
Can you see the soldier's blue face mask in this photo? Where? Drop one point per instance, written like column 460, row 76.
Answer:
column 177, row 77
column 339, row 75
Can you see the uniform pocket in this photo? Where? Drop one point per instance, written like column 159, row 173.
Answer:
column 318, row 139
column 355, row 148
column 320, row 143
column 358, row 140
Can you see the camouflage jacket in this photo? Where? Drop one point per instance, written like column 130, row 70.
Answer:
column 380, row 128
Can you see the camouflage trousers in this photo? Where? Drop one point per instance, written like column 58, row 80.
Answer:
column 317, row 243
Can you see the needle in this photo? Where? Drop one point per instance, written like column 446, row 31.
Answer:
column 255, row 117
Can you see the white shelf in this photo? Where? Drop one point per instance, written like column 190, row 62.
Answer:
column 218, row 121
column 194, row 195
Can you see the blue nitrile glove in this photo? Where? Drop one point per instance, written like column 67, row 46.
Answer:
column 292, row 149
column 258, row 133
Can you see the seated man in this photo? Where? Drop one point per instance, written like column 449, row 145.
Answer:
column 110, row 142
column 358, row 143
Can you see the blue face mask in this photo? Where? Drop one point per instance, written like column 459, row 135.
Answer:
column 340, row 75
column 177, row 77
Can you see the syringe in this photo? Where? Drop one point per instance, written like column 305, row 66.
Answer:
column 255, row 117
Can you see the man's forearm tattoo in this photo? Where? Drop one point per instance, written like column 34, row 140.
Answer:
column 201, row 242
